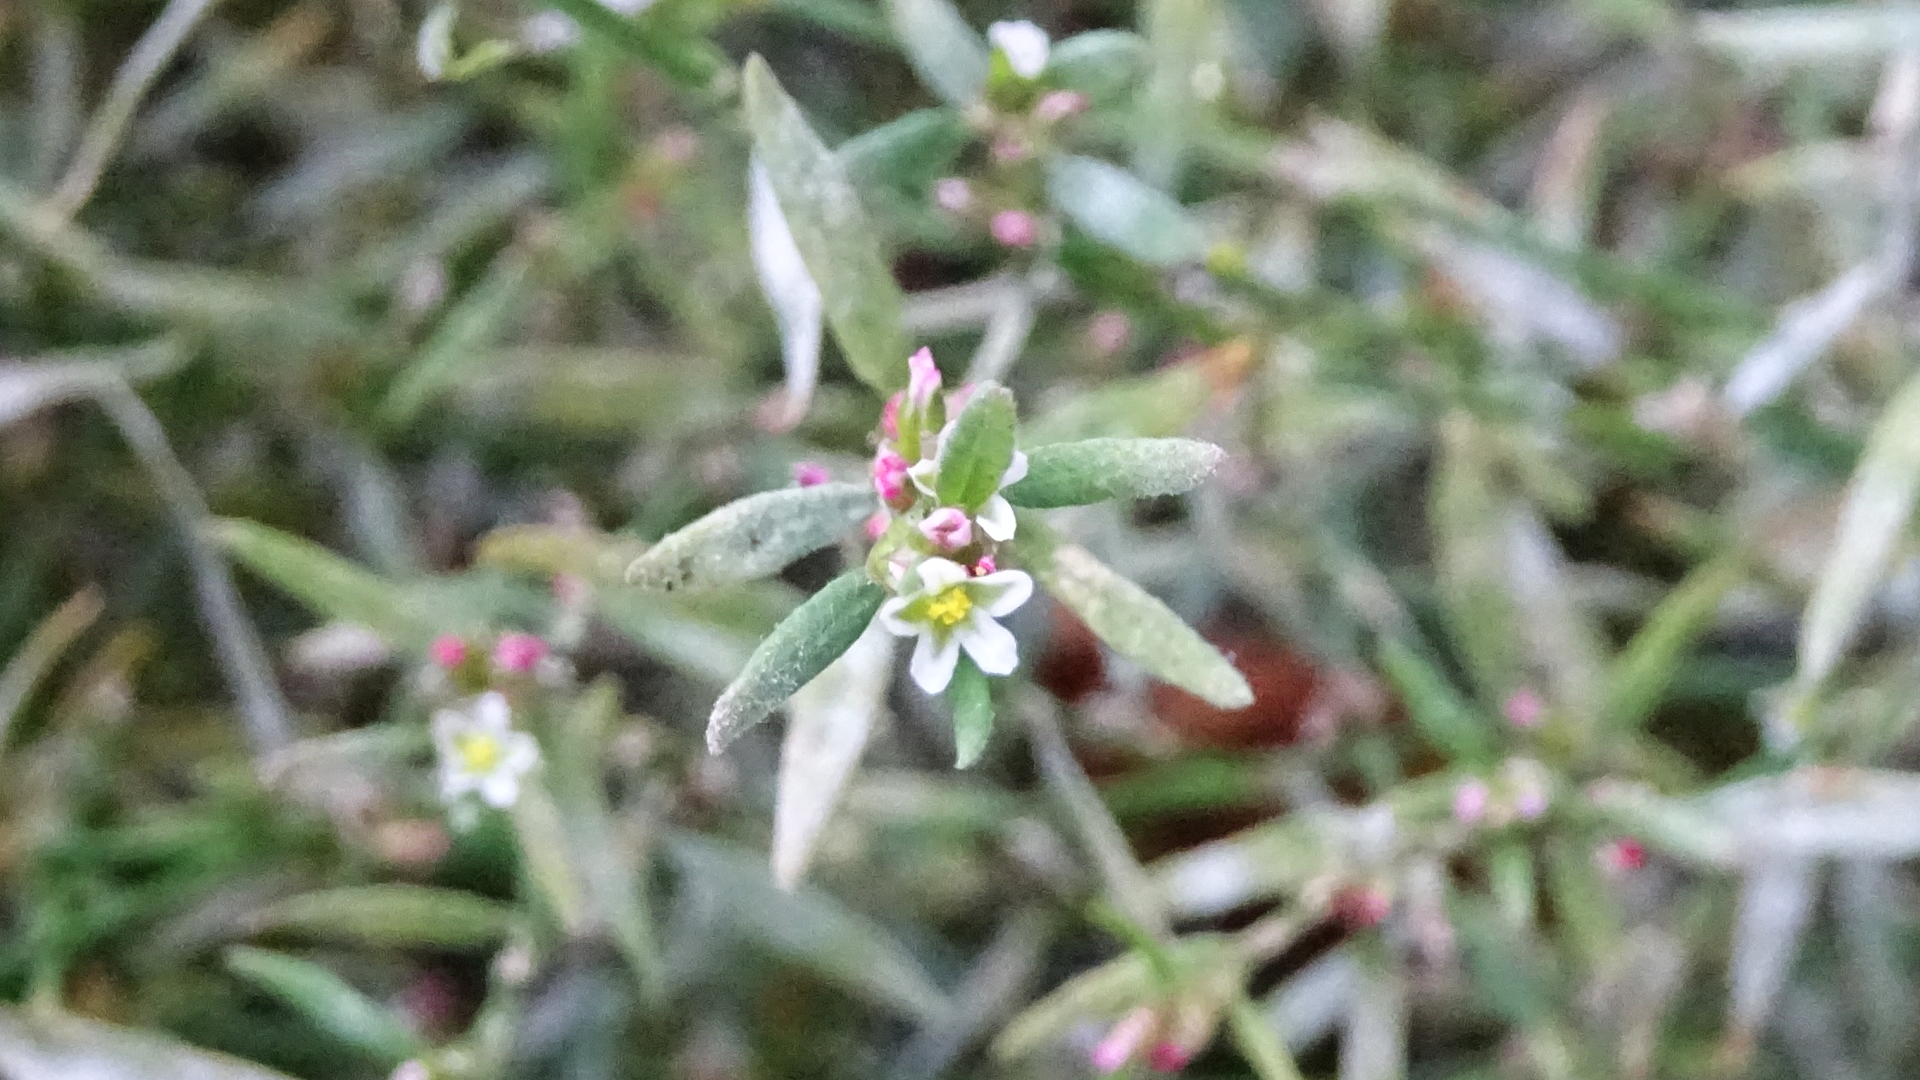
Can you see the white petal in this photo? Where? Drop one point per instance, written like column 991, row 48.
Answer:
column 890, row 618
column 990, row 644
column 433, row 49
column 925, row 475
column 454, row 783
column 938, row 575
column 790, row 290
column 492, row 713
column 500, row 789
column 933, row 662
column 996, row 519
column 1026, row 46
column 1003, row 591
column 519, row 753
column 447, row 725
column 1016, row 471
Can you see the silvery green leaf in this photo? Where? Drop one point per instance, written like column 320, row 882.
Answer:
column 972, row 700
column 790, row 290
column 433, row 49
column 906, row 153
column 977, row 449
column 1122, row 211
column 59, row 1046
column 949, row 57
column 328, row 1002
column 1095, row 470
column 829, row 722
column 1776, row 900
column 1138, row 626
column 1102, row 64
column 752, row 537
column 815, row 635
column 1846, row 813
column 832, row 231
column 1305, row 1008
column 28, row 387
column 1774, row 41
column 1470, row 516
column 1373, row 1044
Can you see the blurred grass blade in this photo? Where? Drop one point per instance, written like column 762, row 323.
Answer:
column 1177, row 33
column 1102, row 64
column 1879, row 506
column 829, row 721
column 1165, row 403
column 815, row 635
column 556, row 877
column 59, row 1046
column 972, row 699
column 949, row 57
column 1776, row 900
column 831, row 229
column 27, row 387
column 1452, row 724
column 464, row 337
column 1095, row 470
column 1097, row 993
column 328, row 1002
column 399, row 916
column 1841, row 36
column 753, row 537
column 1469, row 514
column 1124, row 212
column 1260, row 1042
column 43, row 648
column 790, row 291
column 808, row 927
column 1136, row 625
column 330, row 585
column 1646, row 666
column 691, row 61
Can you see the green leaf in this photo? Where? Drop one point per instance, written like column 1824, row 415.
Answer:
column 801, row 647
column 463, row 341
column 830, row 720
column 752, row 537
column 42, row 650
column 1137, row 626
column 1469, row 514
column 328, row 1002
column 1102, row 64
column 402, row 916
column 1441, row 714
column 949, row 57
column 685, row 58
column 1120, row 210
column 1095, row 470
column 832, row 232
column 1645, row 668
column 972, row 699
column 57, row 1046
column 975, row 453
column 908, row 153
column 1260, row 1042
column 327, row 583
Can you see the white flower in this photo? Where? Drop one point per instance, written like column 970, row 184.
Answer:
column 480, row 751
column 1025, row 46
column 995, row 516
column 952, row 611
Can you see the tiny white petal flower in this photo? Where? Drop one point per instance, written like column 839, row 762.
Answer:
column 996, row 519
column 949, row 611
column 1025, row 46
column 481, row 753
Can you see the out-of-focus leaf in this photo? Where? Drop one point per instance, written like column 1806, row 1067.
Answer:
column 1102, row 64
column 1821, row 813
column 1470, row 514
column 1880, row 501
column 327, row 583
column 1373, row 1045
column 1095, row 470
column 684, row 57
column 462, row 339
column 790, row 290
column 328, row 1002
column 949, row 57
column 1645, row 668
column 1311, row 1001
column 829, row 720
column 815, row 635
column 556, row 877
column 28, row 387
column 1137, row 626
column 42, row 649
column 808, row 927
column 907, row 153
column 404, row 916
column 752, row 537
column 1120, row 210
column 1104, row 992
column 1162, row 404
column 1181, row 38
column 1686, row 830
column 1775, row 903
column 602, row 558
column 972, row 700
column 1443, row 716
column 1776, row 40
column 1260, row 1042
column 50, row 1046
column 831, row 229
column 977, row 448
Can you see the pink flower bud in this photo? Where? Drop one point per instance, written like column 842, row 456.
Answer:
column 1621, row 856
column 1361, row 906
column 876, row 524
column 948, row 529
column 984, row 567
column 1470, row 802
column 953, row 194
column 1123, row 1040
column 890, row 417
column 810, row 473
column 1009, row 150
column 1524, row 709
column 448, row 651
column 1056, row 105
column 518, row 653
column 1108, row 332
column 1168, row 1058
column 923, row 379
column 1015, row 228
column 890, row 478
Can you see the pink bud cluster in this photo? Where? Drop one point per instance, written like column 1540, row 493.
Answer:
column 514, row 653
column 911, row 427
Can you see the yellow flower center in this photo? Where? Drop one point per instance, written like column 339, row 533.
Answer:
column 949, row 607
column 478, row 753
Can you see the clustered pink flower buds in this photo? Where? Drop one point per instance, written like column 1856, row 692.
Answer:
column 518, row 653
column 890, row 478
column 948, row 529
column 810, row 474
column 448, row 651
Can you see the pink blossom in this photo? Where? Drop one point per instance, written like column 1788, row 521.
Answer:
column 984, row 566
column 1470, row 802
column 1621, row 856
column 1123, row 1040
column 1056, row 105
column 518, row 653
column 1168, row 1057
column 810, row 473
column 953, row 194
column 1361, row 906
column 1009, row 150
column 890, row 417
column 923, row 379
column 1108, row 332
column 1015, row 228
column 876, row 524
column 448, row 651
column 948, row 529
column 890, row 476
column 1524, row 709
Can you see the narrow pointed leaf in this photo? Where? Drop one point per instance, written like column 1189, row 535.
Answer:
column 327, row 583
column 404, row 916
column 972, row 699
column 1448, row 720
column 1644, row 669
column 1122, row 211
column 752, row 537
column 829, row 722
column 978, row 448
column 907, row 153
column 832, row 231
column 328, row 1002
column 1095, row 470
column 815, row 635
column 949, row 57
column 1102, row 64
